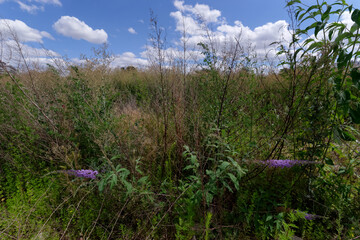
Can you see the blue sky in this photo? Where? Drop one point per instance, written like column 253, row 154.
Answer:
column 72, row 28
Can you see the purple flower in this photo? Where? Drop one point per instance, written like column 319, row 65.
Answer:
column 82, row 173
column 286, row 163
column 308, row 216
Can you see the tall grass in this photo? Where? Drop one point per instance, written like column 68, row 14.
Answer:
column 184, row 154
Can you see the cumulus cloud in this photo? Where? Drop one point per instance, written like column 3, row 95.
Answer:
column 261, row 36
column 24, row 33
column 346, row 19
column 200, row 23
column 128, row 59
column 200, row 10
column 187, row 24
column 76, row 29
column 15, row 53
column 132, row 31
column 28, row 50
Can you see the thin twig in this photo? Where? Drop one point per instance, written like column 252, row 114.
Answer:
column 162, row 218
column 57, row 208
column 97, row 218
column 118, row 216
column 33, row 209
column 77, row 207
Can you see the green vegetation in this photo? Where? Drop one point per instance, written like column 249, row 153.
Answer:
column 185, row 155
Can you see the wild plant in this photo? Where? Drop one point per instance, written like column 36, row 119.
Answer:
column 228, row 152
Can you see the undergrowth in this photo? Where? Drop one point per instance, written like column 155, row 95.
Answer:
column 226, row 151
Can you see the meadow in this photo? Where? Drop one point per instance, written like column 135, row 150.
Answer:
column 222, row 148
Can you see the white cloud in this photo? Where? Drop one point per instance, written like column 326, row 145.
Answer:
column 27, row 50
column 47, row 35
column 200, row 10
column 33, row 6
column 30, row 8
column 187, row 24
column 53, row 2
column 76, row 29
column 346, row 19
column 132, row 31
column 261, row 36
column 15, row 53
column 200, row 23
column 128, row 59
column 171, row 54
column 24, row 33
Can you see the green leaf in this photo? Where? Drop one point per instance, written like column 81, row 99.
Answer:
column 307, row 41
column 311, row 15
column 128, row 186
column 354, row 28
column 143, row 180
column 336, row 12
column 234, row 180
column 355, row 76
column 227, row 186
column 343, row 59
column 340, row 133
column 193, row 159
column 342, row 170
column 124, row 172
column 292, row 2
column 115, row 157
column 328, row 161
column 209, row 172
column 102, row 185
column 347, row 35
column 209, row 197
column 331, row 32
column 355, row 16
column 312, row 26
column 315, row 45
column 297, row 12
column 326, row 15
column 268, row 218
column 355, row 114
column 224, row 165
column 188, row 167
column 113, row 181
column 345, row 135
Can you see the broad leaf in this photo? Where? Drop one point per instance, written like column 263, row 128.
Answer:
column 355, row 16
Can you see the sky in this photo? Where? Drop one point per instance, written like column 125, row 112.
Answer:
column 73, row 28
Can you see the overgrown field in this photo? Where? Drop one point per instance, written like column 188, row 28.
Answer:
column 226, row 151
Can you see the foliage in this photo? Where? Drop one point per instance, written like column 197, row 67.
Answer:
column 227, row 151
